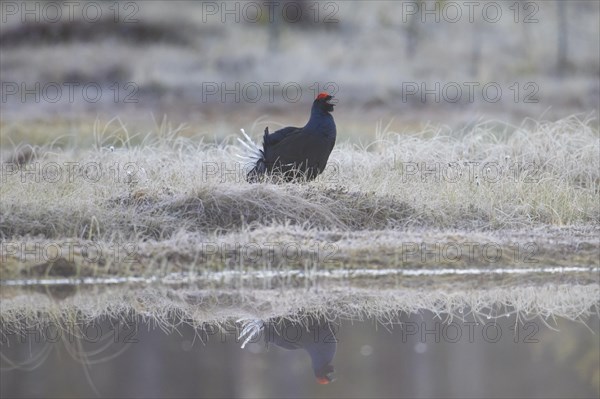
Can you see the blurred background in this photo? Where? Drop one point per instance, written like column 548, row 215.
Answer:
column 219, row 66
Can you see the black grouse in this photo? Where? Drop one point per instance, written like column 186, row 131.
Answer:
column 317, row 338
column 296, row 153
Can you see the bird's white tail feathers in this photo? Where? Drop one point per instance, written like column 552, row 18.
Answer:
column 251, row 151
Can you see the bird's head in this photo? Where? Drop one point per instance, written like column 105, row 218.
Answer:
column 323, row 102
column 325, row 375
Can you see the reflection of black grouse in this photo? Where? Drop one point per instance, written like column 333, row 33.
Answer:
column 317, row 338
column 296, row 153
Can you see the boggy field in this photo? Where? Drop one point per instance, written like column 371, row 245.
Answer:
column 487, row 220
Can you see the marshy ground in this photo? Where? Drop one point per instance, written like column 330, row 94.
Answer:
column 490, row 216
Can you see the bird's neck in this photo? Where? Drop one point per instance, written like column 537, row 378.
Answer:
column 321, row 121
column 317, row 112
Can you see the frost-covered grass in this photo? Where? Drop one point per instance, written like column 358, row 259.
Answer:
column 172, row 204
column 194, row 305
column 485, row 178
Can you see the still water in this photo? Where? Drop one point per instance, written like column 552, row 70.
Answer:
column 359, row 333
column 421, row 355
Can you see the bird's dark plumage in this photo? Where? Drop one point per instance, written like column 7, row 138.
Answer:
column 298, row 153
column 317, row 338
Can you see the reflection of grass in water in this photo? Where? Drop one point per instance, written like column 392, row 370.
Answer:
column 554, row 348
column 202, row 303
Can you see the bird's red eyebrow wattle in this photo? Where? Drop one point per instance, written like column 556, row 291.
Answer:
column 322, row 95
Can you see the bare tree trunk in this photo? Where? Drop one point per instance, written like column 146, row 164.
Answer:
column 274, row 34
column 412, row 32
column 562, row 37
column 476, row 50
